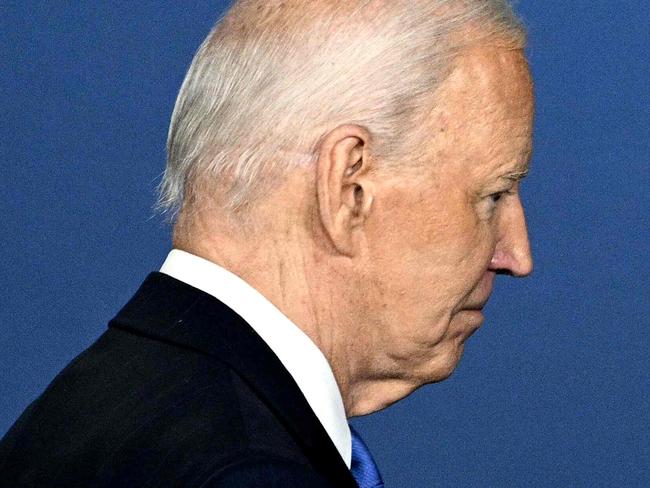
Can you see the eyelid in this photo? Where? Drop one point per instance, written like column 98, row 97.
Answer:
column 510, row 190
column 494, row 198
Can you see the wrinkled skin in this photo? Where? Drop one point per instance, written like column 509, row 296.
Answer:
column 435, row 243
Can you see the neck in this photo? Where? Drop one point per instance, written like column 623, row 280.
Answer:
column 289, row 269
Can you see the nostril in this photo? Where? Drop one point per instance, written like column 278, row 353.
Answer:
column 509, row 264
column 498, row 258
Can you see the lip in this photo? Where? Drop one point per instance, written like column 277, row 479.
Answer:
column 475, row 319
column 475, row 309
column 479, row 305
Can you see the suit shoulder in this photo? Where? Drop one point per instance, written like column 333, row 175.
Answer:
column 126, row 407
column 260, row 469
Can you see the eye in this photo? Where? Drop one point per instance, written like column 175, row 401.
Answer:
column 495, row 197
column 493, row 200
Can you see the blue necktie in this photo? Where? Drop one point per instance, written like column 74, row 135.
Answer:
column 364, row 469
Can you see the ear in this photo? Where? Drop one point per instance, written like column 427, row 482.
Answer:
column 345, row 192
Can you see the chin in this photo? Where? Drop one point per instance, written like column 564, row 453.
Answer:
column 466, row 323
column 443, row 367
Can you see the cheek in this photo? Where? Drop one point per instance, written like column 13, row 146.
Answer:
column 427, row 252
column 475, row 246
column 425, row 261
column 460, row 253
column 458, row 242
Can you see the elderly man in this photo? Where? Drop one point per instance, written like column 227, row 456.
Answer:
column 344, row 181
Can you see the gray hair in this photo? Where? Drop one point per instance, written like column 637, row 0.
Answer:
column 273, row 77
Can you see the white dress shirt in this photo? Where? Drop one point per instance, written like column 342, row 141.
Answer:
column 297, row 352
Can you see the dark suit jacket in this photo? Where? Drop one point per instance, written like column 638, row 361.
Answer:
column 179, row 391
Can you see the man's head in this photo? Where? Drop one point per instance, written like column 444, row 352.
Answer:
column 357, row 162
column 276, row 76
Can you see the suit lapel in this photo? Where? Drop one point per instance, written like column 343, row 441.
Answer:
column 171, row 311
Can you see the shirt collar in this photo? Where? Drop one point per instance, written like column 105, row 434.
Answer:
column 297, row 352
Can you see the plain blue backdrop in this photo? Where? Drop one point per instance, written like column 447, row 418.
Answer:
column 552, row 391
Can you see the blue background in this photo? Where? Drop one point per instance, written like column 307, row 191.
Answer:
column 552, row 391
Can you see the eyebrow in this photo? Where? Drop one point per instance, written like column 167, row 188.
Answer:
column 520, row 172
column 516, row 175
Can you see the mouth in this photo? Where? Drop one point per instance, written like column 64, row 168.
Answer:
column 476, row 308
column 479, row 305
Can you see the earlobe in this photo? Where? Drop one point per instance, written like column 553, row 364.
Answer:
column 343, row 185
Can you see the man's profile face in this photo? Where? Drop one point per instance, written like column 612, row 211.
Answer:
column 439, row 239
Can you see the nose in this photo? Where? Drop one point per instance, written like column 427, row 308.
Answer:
column 512, row 253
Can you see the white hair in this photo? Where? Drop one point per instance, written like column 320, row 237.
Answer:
column 273, row 77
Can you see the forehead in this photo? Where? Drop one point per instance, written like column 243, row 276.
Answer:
column 488, row 73
column 483, row 117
